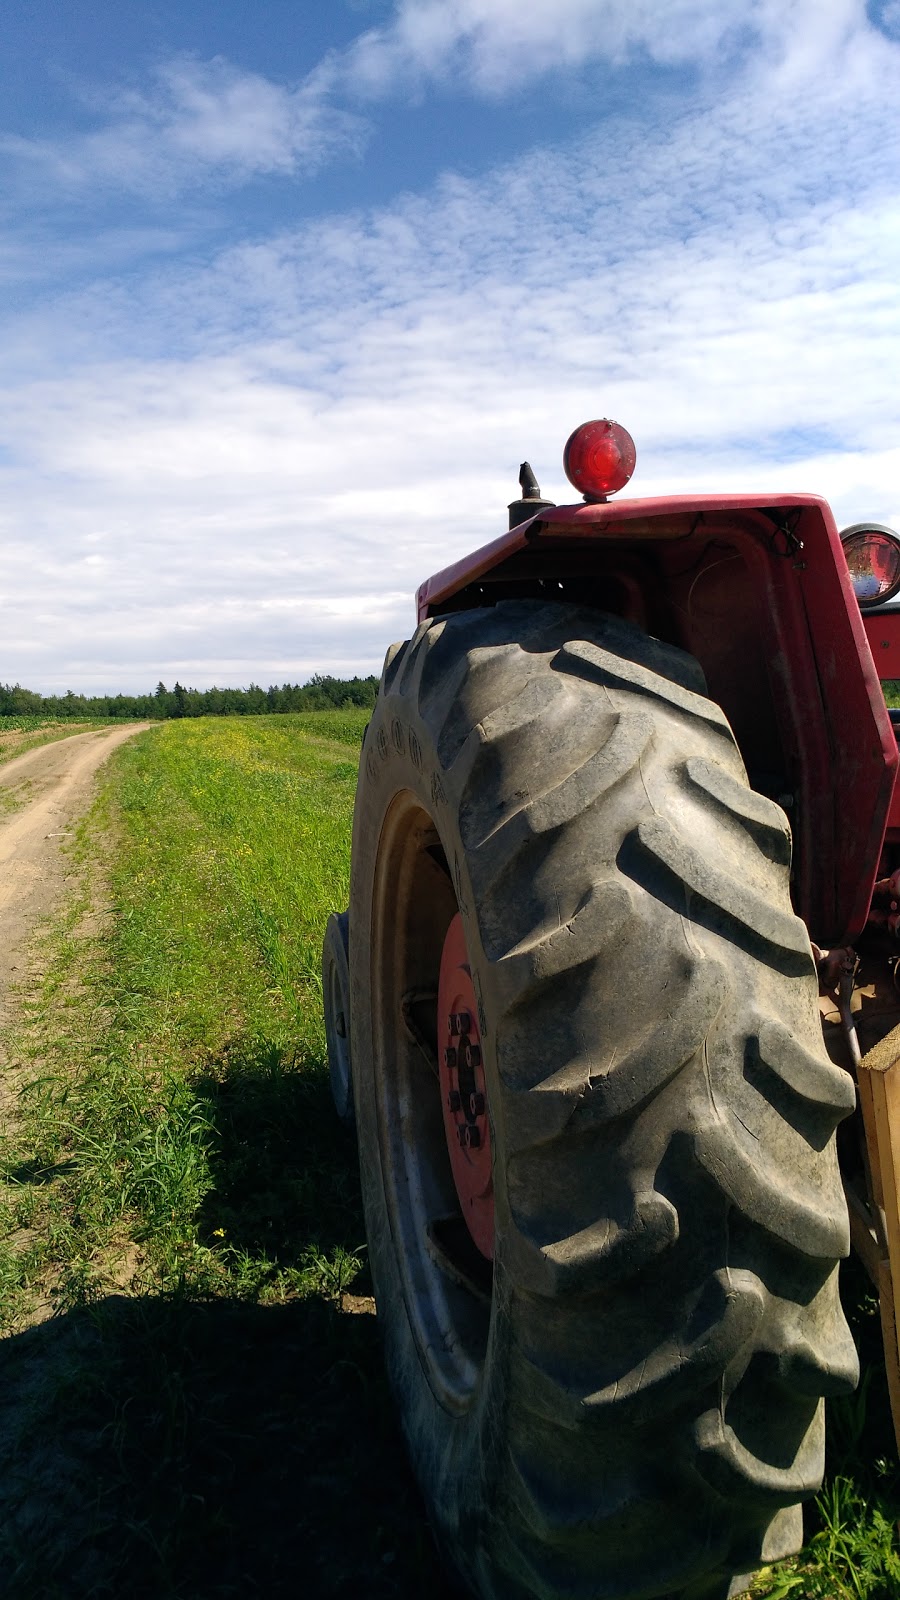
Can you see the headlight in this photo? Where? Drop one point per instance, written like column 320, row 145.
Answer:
column 873, row 556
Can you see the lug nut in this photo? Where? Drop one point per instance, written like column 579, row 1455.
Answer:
column 469, row 1136
column 454, row 1100
column 476, row 1105
column 472, row 1055
column 450, row 1057
column 460, row 1022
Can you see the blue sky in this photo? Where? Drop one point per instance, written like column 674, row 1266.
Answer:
column 288, row 292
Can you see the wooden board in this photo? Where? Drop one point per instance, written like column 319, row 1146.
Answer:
column 879, row 1096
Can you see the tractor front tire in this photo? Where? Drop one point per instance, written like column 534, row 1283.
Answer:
column 627, row 1401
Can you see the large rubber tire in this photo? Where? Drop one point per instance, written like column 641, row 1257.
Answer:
column 632, row 1406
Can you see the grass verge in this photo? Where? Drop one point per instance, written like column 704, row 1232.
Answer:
column 188, row 1405
column 203, row 1412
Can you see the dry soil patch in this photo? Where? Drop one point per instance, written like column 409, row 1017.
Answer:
column 49, row 789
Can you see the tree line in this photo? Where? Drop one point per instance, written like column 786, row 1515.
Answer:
column 321, row 693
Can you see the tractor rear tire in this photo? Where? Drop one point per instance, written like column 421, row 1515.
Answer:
column 627, row 1401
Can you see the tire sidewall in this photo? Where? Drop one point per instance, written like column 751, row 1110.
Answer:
column 452, row 1452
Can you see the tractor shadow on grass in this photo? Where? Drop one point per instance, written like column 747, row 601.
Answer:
column 164, row 1449
column 197, row 1448
column 285, row 1174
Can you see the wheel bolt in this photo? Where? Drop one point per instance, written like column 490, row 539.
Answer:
column 454, row 1100
column 476, row 1105
column 450, row 1057
column 469, row 1136
column 472, row 1055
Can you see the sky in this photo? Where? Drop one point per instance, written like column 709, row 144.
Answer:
column 287, row 293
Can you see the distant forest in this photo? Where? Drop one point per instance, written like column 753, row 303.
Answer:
column 319, row 694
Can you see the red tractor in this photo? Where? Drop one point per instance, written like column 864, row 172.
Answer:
column 625, row 790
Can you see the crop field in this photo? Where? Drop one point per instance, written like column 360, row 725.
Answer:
column 37, row 724
column 22, row 724
column 191, row 1395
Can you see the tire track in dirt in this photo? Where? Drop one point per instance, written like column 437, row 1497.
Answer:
column 50, row 788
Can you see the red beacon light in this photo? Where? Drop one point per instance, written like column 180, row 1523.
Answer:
column 599, row 458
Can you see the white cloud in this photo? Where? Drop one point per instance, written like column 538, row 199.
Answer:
column 243, row 468
column 497, row 45
column 198, row 122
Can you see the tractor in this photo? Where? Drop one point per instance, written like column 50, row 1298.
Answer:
column 614, row 1013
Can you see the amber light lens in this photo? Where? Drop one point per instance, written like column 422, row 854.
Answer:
column 599, row 458
column 873, row 556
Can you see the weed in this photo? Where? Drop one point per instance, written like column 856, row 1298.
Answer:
column 853, row 1556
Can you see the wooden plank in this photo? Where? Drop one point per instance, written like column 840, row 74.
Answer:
column 891, row 1344
column 879, row 1095
column 867, row 1108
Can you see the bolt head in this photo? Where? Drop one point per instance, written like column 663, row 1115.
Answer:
column 476, row 1105
column 454, row 1100
column 472, row 1055
column 450, row 1057
column 469, row 1136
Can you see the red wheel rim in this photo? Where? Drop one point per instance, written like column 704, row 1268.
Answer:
column 464, row 1090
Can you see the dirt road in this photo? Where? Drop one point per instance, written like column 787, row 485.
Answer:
column 48, row 789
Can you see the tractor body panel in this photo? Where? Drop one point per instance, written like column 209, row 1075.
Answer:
column 757, row 588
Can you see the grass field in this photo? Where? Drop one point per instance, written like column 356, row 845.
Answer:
column 191, row 1398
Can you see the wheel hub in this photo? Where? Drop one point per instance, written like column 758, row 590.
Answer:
column 464, row 1090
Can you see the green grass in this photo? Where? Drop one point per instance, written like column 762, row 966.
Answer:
column 186, row 1407
column 201, row 1415
column 194, row 1015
